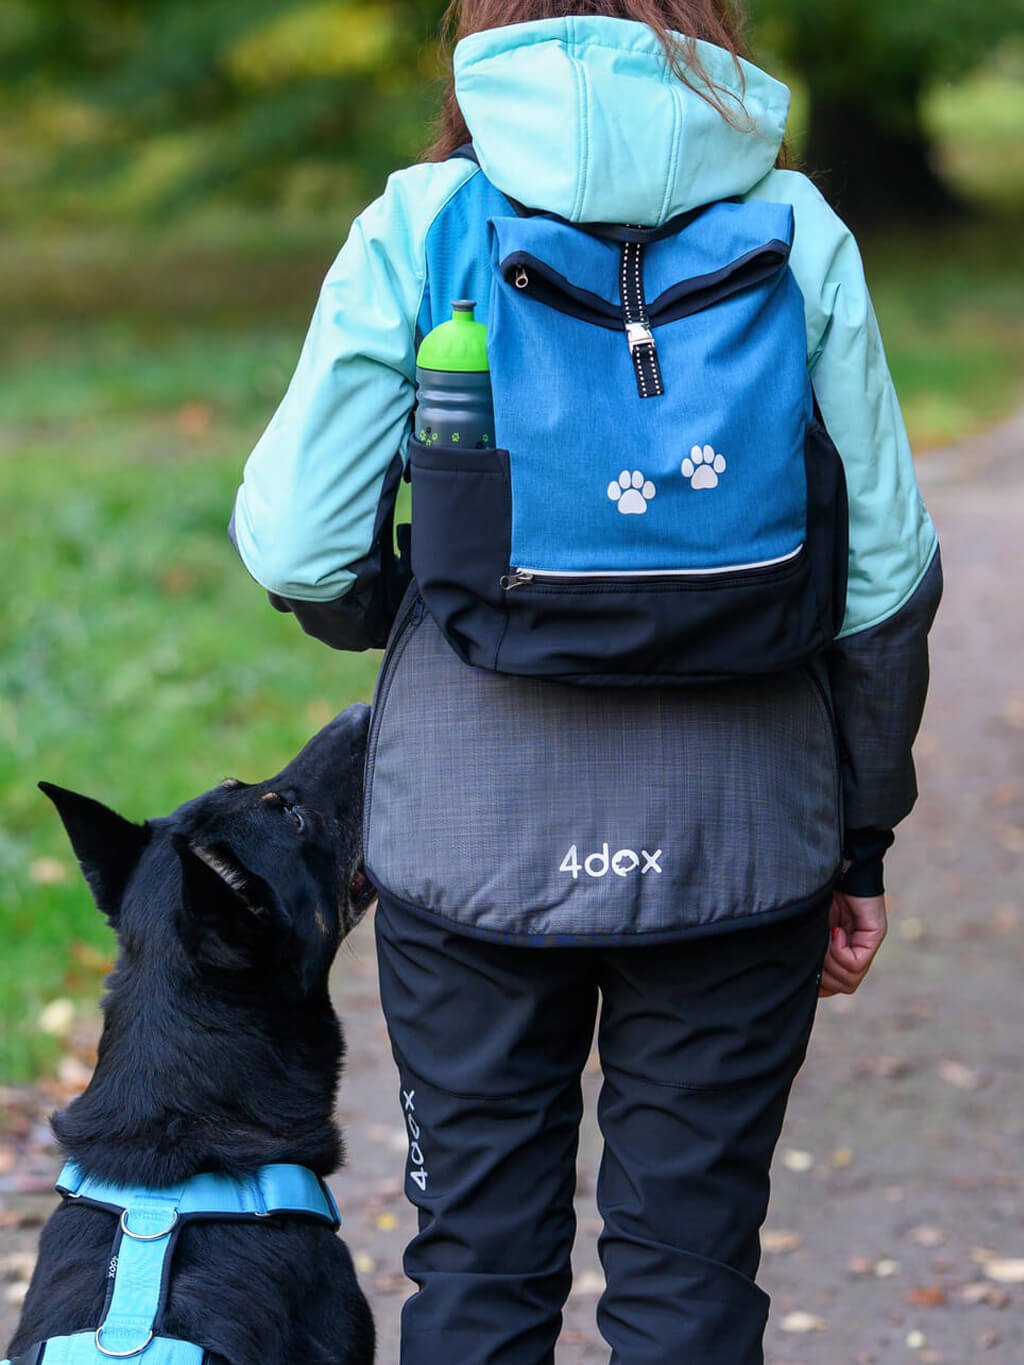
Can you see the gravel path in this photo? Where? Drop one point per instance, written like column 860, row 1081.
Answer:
column 897, row 1225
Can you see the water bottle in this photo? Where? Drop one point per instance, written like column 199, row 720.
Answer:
column 454, row 405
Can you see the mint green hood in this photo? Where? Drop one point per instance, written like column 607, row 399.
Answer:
column 583, row 117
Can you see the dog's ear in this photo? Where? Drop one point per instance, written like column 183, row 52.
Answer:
column 107, row 846
column 218, row 889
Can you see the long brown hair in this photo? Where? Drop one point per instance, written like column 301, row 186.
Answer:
column 721, row 22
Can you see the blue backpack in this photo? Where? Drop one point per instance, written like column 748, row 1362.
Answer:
column 665, row 506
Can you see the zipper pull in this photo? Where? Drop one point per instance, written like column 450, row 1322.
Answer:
column 522, row 279
column 514, row 579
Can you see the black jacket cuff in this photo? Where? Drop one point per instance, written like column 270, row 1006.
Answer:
column 863, row 853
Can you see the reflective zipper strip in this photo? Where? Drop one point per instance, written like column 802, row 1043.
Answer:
column 658, row 573
column 642, row 347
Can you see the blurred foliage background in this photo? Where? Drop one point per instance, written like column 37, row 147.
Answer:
column 176, row 178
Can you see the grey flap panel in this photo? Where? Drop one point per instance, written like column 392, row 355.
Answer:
column 527, row 807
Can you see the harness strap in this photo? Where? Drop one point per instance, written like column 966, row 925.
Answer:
column 278, row 1188
column 138, row 1274
column 80, row 1349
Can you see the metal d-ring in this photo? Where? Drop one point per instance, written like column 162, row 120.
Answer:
column 120, row 1355
column 146, row 1237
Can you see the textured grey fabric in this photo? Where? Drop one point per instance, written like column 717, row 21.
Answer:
column 879, row 680
column 478, row 785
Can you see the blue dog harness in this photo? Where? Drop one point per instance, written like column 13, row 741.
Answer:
column 143, row 1248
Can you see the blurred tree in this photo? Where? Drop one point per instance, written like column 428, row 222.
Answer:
column 246, row 99
column 868, row 64
column 259, row 86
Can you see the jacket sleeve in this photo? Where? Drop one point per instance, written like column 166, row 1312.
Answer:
column 313, row 518
column 878, row 666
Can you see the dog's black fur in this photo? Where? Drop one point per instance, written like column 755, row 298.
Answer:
column 220, row 1052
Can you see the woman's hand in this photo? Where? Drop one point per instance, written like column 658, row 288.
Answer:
column 859, row 925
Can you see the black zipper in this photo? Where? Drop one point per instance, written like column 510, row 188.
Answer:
column 683, row 579
column 551, row 287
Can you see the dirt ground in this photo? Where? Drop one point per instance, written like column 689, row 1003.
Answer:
column 896, row 1231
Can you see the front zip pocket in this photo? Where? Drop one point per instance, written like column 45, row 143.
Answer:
column 643, row 579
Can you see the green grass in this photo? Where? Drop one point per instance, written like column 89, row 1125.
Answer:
column 137, row 661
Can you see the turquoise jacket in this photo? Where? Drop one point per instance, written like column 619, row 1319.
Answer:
column 583, row 117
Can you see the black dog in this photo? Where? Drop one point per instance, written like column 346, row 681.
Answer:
column 220, row 1052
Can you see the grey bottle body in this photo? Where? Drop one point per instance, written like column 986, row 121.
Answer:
column 455, row 408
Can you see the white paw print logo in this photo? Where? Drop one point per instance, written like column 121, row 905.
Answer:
column 632, row 492
column 702, row 467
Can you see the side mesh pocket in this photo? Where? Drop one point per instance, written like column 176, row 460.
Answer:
column 461, row 518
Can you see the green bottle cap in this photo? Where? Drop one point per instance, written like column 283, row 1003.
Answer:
column 459, row 345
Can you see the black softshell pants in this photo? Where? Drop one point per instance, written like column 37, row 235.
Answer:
column 699, row 1043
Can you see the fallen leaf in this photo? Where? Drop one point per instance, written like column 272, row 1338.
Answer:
column 93, row 958
column 842, row 1157
column 391, row 1284
column 803, row 1322
column 795, row 1160
column 177, row 581
column 886, row 1268
column 73, row 1075
column 917, row 1341
column 1005, row 1271
column 927, row 1236
column 1005, row 920
column 589, row 1283
column 364, row 1263
column 193, row 419
column 958, row 1075
column 779, row 1243
column 860, row 1265
column 891, row 1068
column 926, row 1296
column 386, row 1222
column 20, row 1218
column 17, row 1265
column 980, row 1292
column 48, row 871
column 975, row 1292
column 56, row 1018
column 911, row 929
